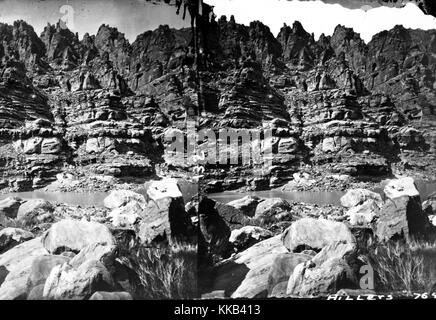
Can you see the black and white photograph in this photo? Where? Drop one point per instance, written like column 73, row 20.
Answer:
column 197, row 151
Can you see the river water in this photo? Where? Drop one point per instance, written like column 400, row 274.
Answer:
column 91, row 199
column 71, row 198
column 319, row 197
column 189, row 190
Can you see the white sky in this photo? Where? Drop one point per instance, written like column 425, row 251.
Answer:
column 318, row 17
column 131, row 17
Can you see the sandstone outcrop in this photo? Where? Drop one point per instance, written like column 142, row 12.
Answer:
column 247, row 236
column 337, row 105
column 10, row 237
column 309, row 233
column 347, row 103
column 72, row 235
column 18, row 263
column 246, row 274
column 165, row 218
column 97, row 102
column 325, row 273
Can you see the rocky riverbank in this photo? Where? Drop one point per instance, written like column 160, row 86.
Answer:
column 56, row 251
column 250, row 247
column 258, row 248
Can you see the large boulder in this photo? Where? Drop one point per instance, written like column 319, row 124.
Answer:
column 402, row 217
column 94, row 268
column 72, row 235
column 165, row 218
column 246, row 274
column 429, row 206
column 232, row 216
column 10, row 237
column 165, row 188
column 247, row 205
column 102, row 252
column 272, row 207
column 364, row 214
column 282, row 268
column 397, row 188
column 40, row 270
column 18, row 264
column 309, row 281
column 402, row 214
column 127, row 207
column 356, row 197
column 127, row 215
column 247, row 236
column 35, row 211
column 66, row 282
column 214, row 230
column 325, row 273
column 309, row 233
column 9, row 207
column 119, row 198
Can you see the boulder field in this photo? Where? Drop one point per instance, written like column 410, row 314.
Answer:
column 316, row 255
column 78, row 253
column 249, row 248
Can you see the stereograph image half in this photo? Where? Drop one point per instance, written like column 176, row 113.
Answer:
column 217, row 149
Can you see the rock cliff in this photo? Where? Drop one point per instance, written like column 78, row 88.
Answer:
column 88, row 107
column 339, row 108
